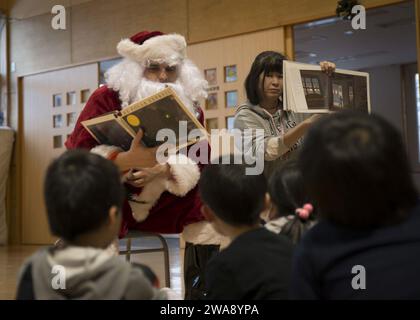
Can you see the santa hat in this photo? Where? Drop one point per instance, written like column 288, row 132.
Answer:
column 154, row 46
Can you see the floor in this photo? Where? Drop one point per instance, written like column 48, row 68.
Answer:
column 12, row 257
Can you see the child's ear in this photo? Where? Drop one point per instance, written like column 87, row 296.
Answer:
column 269, row 207
column 267, row 202
column 207, row 213
column 113, row 215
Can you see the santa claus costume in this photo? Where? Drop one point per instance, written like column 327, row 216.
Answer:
column 163, row 205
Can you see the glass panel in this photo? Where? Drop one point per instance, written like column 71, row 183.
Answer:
column 57, row 121
column 84, row 95
column 57, row 142
column 416, row 81
column 57, row 100
column 104, row 66
column 71, row 98
column 71, row 119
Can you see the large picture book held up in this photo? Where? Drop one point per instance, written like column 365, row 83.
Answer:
column 307, row 89
column 163, row 110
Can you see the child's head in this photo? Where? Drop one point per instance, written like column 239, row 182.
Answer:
column 230, row 196
column 356, row 169
column 288, row 196
column 83, row 195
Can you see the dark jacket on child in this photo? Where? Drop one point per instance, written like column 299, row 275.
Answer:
column 334, row 262
column 256, row 265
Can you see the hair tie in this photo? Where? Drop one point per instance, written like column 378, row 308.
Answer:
column 305, row 212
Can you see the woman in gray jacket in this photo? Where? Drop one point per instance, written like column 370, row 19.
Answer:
column 283, row 130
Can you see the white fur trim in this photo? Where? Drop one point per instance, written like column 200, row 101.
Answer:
column 149, row 195
column 105, row 151
column 185, row 174
column 170, row 48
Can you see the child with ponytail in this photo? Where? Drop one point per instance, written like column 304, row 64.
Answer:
column 292, row 213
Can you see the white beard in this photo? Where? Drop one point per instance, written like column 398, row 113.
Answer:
column 146, row 88
column 127, row 78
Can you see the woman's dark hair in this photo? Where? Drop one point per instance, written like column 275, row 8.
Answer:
column 236, row 197
column 356, row 169
column 79, row 189
column 287, row 192
column 265, row 62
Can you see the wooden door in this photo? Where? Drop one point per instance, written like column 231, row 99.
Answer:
column 51, row 105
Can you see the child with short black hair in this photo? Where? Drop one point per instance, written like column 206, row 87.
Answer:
column 292, row 212
column 83, row 196
column 256, row 264
column 366, row 243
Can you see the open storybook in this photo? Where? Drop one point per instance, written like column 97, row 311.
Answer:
column 163, row 110
column 307, row 89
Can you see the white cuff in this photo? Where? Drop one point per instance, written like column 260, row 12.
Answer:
column 275, row 148
column 142, row 203
column 184, row 175
column 105, row 151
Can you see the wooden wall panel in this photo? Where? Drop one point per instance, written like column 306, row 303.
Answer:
column 211, row 19
column 98, row 26
column 22, row 9
column 35, row 45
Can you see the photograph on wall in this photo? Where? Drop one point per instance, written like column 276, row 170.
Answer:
column 231, row 99
column 211, row 101
column 231, row 74
column 211, row 76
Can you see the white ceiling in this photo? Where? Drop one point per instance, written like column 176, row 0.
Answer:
column 389, row 38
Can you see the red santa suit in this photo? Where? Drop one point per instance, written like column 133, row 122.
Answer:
column 177, row 206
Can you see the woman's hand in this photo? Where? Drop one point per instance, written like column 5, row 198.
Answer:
column 141, row 177
column 138, row 156
column 327, row 67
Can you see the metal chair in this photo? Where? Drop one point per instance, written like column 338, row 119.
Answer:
column 135, row 234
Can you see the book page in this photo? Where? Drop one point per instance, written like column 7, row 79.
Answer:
column 108, row 130
column 310, row 90
column 163, row 111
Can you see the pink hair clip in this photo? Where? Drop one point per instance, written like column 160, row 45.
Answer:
column 305, row 212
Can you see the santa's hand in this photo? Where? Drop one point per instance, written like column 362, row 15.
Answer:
column 138, row 156
column 327, row 67
column 141, row 177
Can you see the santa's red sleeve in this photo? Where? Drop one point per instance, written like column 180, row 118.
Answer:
column 103, row 100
